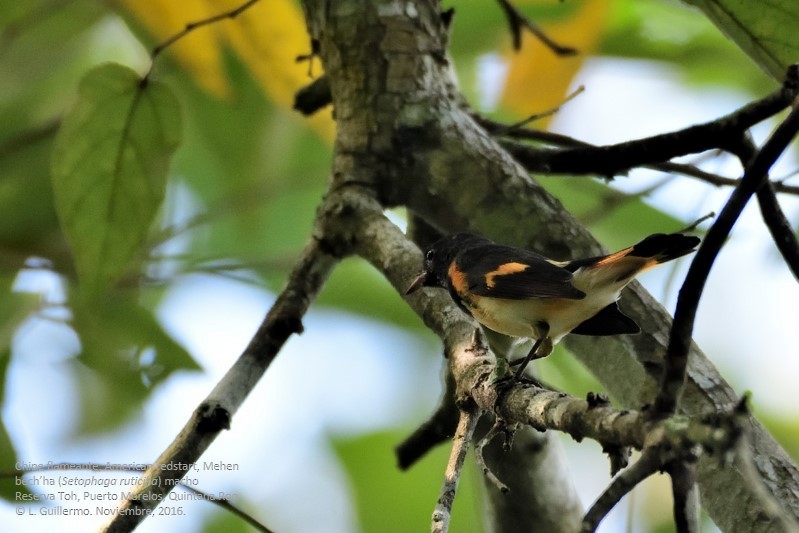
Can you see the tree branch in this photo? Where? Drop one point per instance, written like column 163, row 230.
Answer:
column 686, row 496
column 622, row 484
column 191, row 26
column 543, row 496
column 558, row 139
column 463, row 436
column 613, row 159
column 484, row 383
column 215, row 413
column 502, row 132
column 410, row 140
column 313, row 97
column 680, row 336
column 770, row 210
column 777, row 223
column 517, row 21
column 95, row 467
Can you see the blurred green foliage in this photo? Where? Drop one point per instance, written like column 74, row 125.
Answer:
column 389, row 500
column 254, row 174
column 109, row 170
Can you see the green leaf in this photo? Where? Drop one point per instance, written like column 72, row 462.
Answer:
column 690, row 44
column 125, row 353
column 766, row 31
column 109, row 169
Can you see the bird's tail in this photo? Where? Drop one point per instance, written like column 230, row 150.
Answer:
column 650, row 252
column 661, row 247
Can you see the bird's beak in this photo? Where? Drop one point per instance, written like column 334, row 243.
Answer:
column 417, row 284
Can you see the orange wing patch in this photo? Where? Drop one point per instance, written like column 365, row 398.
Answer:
column 503, row 270
column 457, row 279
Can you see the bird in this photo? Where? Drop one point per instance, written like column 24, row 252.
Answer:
column 523, row 294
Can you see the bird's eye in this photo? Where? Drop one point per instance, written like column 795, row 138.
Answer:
column 429, row 256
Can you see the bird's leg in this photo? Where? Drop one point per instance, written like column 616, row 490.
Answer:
column 541, row 348
column 530, row 357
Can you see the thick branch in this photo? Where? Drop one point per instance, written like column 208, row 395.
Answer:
column 464, row 179
column 401, row 118
column 478, row 378
column 531, row 464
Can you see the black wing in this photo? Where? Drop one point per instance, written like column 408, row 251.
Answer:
column 505, row 272
column 609, row 321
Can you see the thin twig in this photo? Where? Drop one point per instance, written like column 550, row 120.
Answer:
column 693, row 225
column 613, row 198
column 652, row 152
column 615, row 158
column 225, row 504
column 645, row 466
column 108, row 467
column 543, row 114
column 496, row 429
column 460, row 445
column 558, row 139
column 680, row 336
column 191, row 26
column 517, row 21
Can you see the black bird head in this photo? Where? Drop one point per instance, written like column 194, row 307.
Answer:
column 440, row 256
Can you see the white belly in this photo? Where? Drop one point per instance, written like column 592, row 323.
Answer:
column 524, row 318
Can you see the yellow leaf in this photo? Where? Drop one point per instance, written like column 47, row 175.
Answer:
column 537, row 79
column 267, row 37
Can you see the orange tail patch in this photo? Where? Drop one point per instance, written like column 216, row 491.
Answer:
column 650, row 252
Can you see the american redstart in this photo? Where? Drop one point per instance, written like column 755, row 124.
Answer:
column 523, row 294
